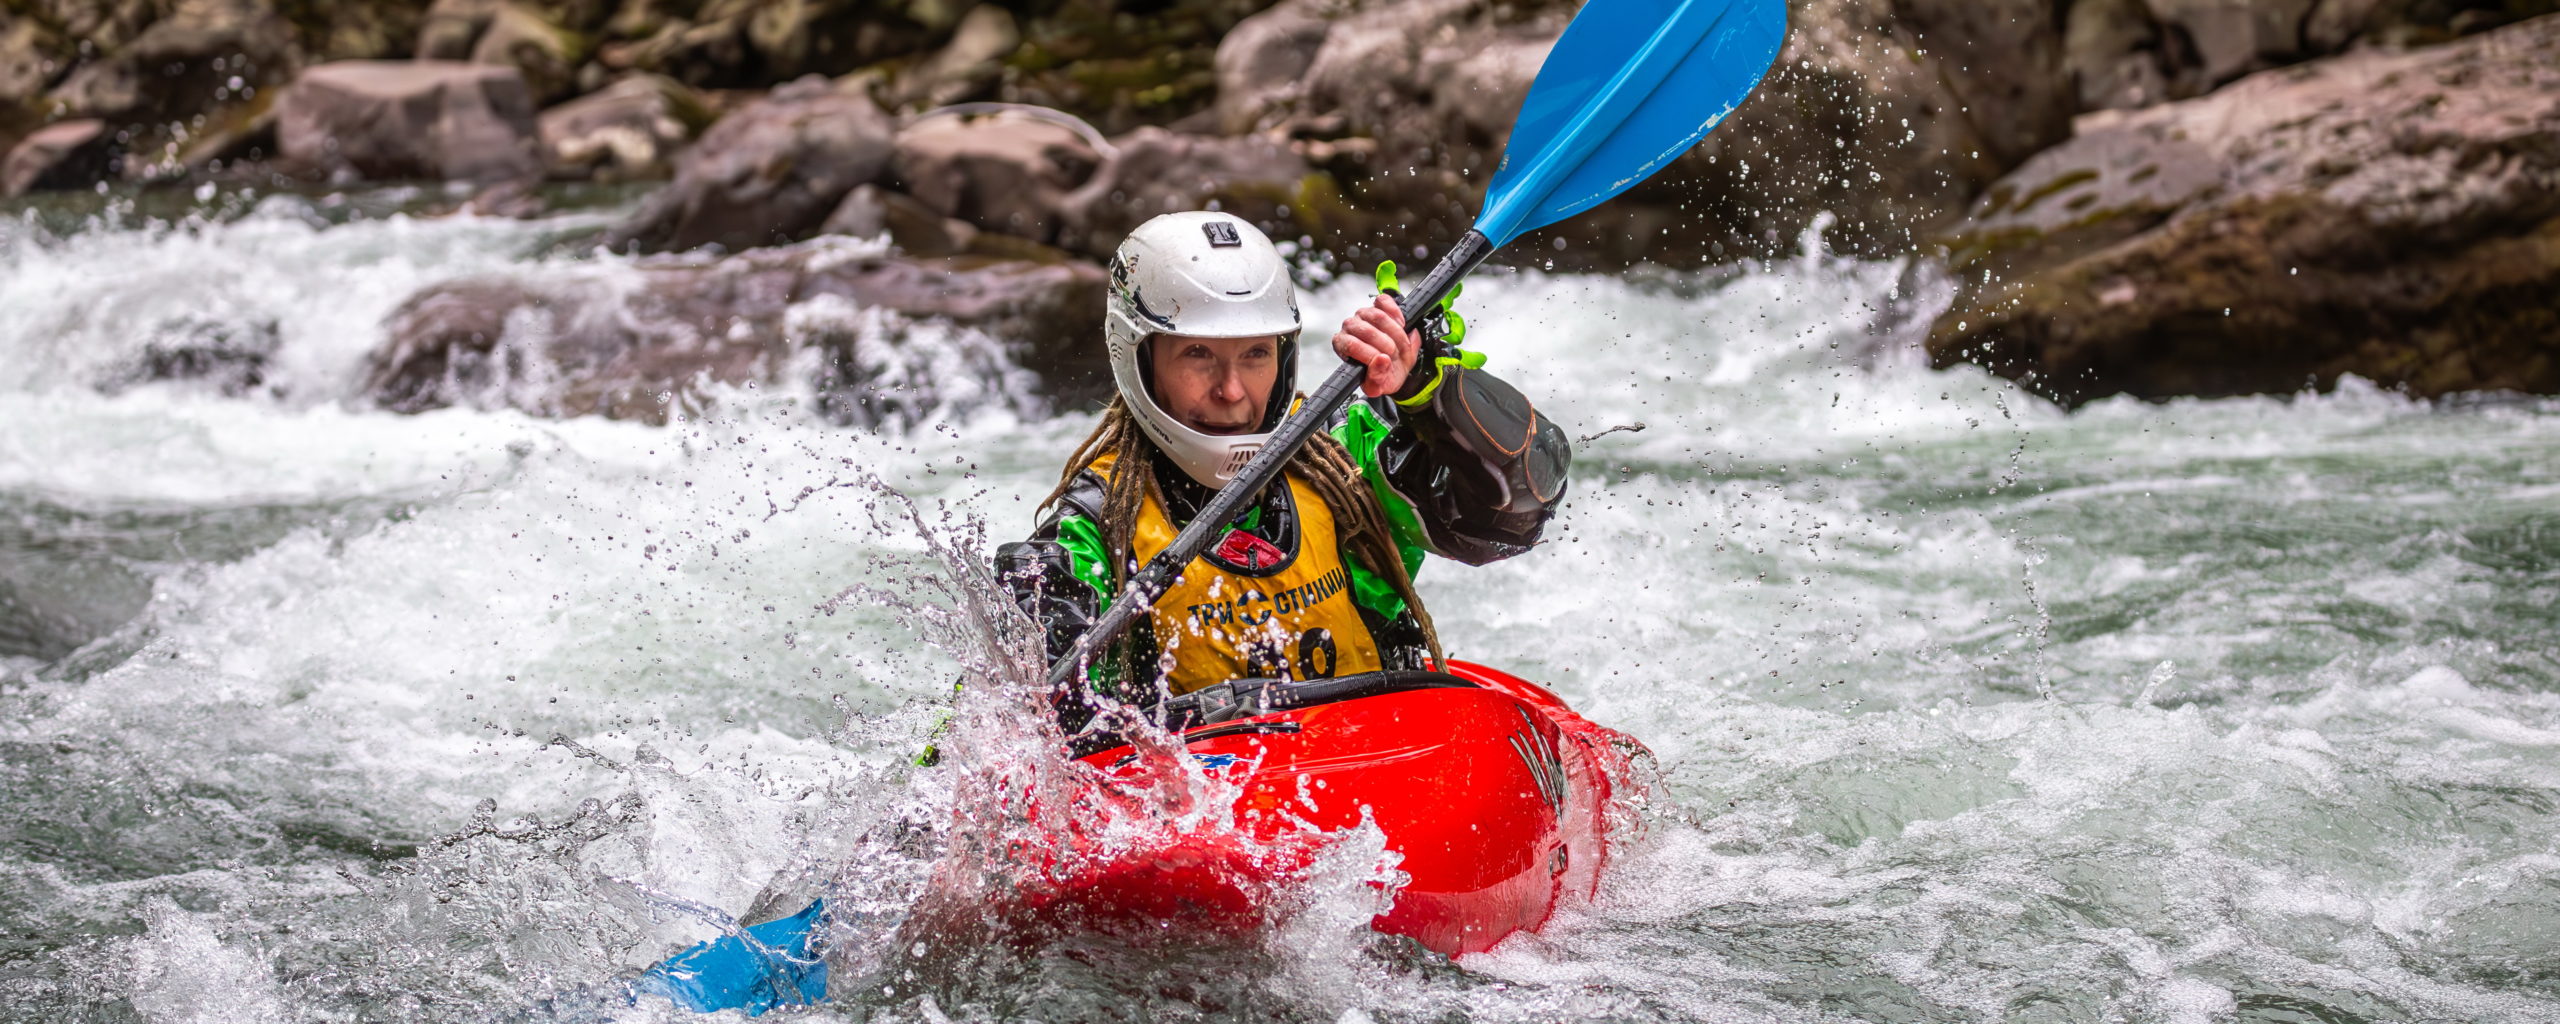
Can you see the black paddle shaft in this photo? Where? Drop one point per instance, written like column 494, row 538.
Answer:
column 1315, row 414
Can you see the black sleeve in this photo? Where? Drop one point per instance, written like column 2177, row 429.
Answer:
column 1042, row 582
column 1481, row 468
column 1039, row 575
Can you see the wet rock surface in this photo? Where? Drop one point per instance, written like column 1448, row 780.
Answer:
column 872, row 333
column 767, row 173
column 1152, row 171
column 2390, row 215
column 628, row 131
column 229, row 358
column 395, row 120
column 1004, row 173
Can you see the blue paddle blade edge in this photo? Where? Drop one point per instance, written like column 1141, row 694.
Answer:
column 771, row 965
column 1628, row 87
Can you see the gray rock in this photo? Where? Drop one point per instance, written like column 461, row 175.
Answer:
column 2003, row 61
column 2234, row 37
column 2112, row 50
column 2390, row 215
column 915, row 229
column 968, row 66
column 228, row 357
column 604, row 347
column 1262, row 66
column 185, row 85
column 1003, row 172
column 1152, row 171
column 66, row 154
column 182, row 65
column 2124, row 54
column 767, row 173
column 1861, row 121
column 450, row 28
column 627, row 131
column 390, row 120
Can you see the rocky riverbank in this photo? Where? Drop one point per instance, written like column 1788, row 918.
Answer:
column 2368, row 186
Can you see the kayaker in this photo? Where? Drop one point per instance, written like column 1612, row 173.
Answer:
column 1316, row 578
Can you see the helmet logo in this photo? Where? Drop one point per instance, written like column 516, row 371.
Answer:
column 1222, row 235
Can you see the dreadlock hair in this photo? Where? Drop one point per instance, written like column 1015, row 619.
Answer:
column 1324, row 462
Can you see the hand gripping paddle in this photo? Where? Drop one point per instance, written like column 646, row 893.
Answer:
column 1630, row 85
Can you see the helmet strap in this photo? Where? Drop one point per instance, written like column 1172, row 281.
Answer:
column 1284, row 386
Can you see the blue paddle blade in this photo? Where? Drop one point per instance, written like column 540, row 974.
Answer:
column 1630, row 86
column 773, row 964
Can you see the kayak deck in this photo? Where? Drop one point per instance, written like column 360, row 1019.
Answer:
column 1488, row 789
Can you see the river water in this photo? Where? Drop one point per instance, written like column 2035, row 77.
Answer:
column 1964, row 708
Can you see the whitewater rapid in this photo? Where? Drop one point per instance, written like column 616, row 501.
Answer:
column 1964, row 708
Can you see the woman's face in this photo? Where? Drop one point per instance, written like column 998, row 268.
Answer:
column 1215, row 385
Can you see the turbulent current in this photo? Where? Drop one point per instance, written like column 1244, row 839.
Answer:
column 1964, row 708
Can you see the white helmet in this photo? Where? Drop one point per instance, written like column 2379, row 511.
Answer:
column 1205, row 275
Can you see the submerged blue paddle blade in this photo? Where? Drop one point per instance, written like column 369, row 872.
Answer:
column 772, row 964
column 1630, row 85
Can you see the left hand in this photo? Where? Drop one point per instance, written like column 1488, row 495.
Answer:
column 1375, row 338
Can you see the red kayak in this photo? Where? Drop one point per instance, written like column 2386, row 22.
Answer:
column 1491, row 792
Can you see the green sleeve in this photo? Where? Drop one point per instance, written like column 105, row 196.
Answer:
column 1082, row 537
column 1362, row 432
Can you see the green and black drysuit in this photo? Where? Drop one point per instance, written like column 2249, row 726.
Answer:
column 1469, row 472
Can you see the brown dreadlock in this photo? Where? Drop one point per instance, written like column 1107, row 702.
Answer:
column 1324, row 463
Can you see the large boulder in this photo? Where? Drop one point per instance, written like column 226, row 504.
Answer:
column 767, row 173
column 1262, row 65
column 627, row 131
column 2390, row 215
column 2123, row 54
column 1152, row 171
column 1004, row 172
column 1862, row 119
column 646, row 349
column 1888, row 115
column 390, row 120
